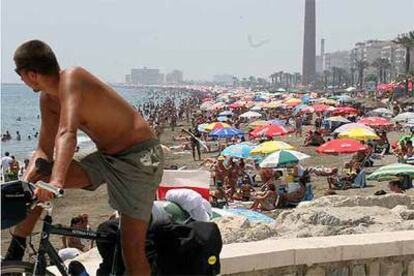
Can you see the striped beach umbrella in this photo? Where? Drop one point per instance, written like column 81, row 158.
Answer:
column 216, row 125
column 390, row 172
column 283, row 158
column 271, row 146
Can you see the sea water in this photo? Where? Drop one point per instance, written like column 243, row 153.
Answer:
column 20, row 112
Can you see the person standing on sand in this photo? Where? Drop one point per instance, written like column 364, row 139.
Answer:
column 129, row 157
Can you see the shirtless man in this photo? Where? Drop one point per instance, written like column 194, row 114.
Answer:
column 128, row 157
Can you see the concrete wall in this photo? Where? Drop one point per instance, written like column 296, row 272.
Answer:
column 389, row 253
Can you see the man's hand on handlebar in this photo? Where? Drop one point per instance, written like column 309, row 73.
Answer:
column 43, row 195
column 47, row 191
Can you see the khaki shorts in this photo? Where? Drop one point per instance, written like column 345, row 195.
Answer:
column 132, row 176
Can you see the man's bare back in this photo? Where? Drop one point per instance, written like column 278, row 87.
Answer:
column 106, row 117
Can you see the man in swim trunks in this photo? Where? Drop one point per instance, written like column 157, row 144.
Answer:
column 128, row 157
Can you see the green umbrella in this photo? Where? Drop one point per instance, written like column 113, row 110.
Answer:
column 406, row 138
column 390, row 172
column 282, row 158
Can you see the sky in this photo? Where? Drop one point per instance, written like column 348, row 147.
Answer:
column 199, row 37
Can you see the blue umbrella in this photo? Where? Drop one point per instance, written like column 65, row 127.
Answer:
column 226, row 132
column 298, row 108
column 305, row 99
column 222, row 118
column 238, row 151
column 226, row 113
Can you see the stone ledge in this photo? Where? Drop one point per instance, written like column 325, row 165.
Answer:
column 268, row 254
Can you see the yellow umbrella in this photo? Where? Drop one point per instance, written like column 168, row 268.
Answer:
column 293, row 100
column 274, row 104
column 259, row 123
column 358, row 134
column 216, row 125
column 271, row 146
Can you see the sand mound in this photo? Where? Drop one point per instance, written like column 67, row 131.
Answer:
column 327, row 216
column 239, row 229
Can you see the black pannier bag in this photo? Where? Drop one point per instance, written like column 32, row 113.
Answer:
column 171, row 249
column 15, row 199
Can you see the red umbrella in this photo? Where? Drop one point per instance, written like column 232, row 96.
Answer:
column 270, row 131
column 375, row 121
column 344, row 110
column 320, row 107
column 341, row 146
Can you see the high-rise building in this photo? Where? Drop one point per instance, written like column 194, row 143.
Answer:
column 146, row 76
column 367, row 51
column 338, row 59
column 174, row 77
column 395, row 54
column 309, row 43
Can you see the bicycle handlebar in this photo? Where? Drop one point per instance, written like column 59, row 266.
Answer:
column 58, row 192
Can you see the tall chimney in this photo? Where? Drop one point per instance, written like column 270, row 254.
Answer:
column 309, row 43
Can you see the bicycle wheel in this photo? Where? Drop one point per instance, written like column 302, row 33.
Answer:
column 12, row 268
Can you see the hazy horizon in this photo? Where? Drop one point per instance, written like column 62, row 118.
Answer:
column 201, row 38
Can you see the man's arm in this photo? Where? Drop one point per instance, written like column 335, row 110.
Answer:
column 66, row 140
column 48, row 129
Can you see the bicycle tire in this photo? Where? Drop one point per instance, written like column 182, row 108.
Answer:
column 19, row 268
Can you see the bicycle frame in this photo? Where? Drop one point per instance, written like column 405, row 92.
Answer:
column 46, row 247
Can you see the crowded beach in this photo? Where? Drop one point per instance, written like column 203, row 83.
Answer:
column 255, row 157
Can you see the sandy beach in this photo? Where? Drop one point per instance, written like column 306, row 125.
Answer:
column 95, row 204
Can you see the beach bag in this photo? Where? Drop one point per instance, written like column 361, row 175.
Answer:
column 191, row 249
column 171, row 249
column 16, row 197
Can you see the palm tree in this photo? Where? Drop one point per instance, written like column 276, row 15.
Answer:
column 407, row 41
column 381, row 65
column 361, row 66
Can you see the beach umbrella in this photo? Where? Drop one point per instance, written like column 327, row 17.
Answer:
column 409, row 123
column 216, row 106
column 281, row 90
column 382, row 111
column 225, row 132
column 256, row 108
column 299, row 108
column 237, row 104
column 222, row 119
column 344, row 110
column 403, row 117
column 390, row 172
column 406, row 138
column 216, row 125
column 206, row 105
column 202, row 127
column 375, row 121
column 350, row 89
column 351, row 126
column 345, row 99
column 277, row 122
column 293, row 102
column 282, row 158
column 339, row 119
column 259, row 123
column 271, row 146
column 338, row 146
column 269, row 131
column 251, row 114
column 321, row 107
column 274, row 104
column 226, row 113
column 358, row 134
column 238, row 151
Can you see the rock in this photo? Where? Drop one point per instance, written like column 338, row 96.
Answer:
column 239, row 229
column 404, row 212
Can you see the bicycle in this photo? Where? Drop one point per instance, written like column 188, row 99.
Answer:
column 39, row 267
